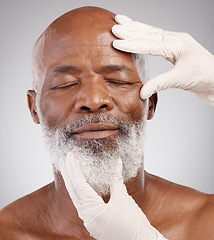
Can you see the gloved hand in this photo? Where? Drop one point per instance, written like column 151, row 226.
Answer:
column 194, row 65
column 119, row 219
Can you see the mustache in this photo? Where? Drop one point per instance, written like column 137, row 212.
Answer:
column 123, row 125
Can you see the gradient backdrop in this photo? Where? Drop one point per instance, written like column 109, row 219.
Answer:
column 180, row 138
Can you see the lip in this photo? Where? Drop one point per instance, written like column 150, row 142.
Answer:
column 95, row 131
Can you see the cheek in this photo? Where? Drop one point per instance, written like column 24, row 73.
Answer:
column 55, row 108
column 129, row 103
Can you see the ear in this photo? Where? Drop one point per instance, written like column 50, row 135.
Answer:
column 31, row 98
column 152, row 105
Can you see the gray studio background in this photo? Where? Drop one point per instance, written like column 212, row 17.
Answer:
column 180, row 138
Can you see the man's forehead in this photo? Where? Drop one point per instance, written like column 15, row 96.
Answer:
column 81, row 20
column 84, row 45
column 77, row 38
column 81, row 33
column 68, row 34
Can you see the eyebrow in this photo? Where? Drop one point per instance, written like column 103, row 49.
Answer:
column 116, row 68
column 64, row 69
column 108, row 68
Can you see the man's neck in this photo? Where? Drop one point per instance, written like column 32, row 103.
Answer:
column 65, row 214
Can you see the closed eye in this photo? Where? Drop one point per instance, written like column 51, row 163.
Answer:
column 118, row 82
column 66, row 85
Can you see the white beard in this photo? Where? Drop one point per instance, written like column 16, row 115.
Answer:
column 98, row 158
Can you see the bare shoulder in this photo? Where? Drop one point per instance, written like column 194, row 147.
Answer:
column 185, row 212
column 8, row 230
column 21, row 213
column 203, row 218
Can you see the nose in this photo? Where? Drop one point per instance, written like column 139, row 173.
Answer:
column 93, row 96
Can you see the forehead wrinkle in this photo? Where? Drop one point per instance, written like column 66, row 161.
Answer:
column 114, row 57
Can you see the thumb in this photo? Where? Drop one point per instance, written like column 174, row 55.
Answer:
column 118, row 188
column 161, row 82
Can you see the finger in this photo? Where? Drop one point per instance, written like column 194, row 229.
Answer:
column 68, row 183
column 122, row 32
column 125, row 32
column 164, row 81
column 136, row 29
column 133, row 33
column 126, row 21
column 122, row 19
column 118, row 188
column 145, row 47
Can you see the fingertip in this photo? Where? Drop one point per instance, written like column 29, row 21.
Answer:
column 120, row 44
column 61, row 165
column 145, row 93
column 116, row 43
column 73, row 160
column 69, row 155
column 115, row 29
column 69, row 159
column 122, row 19
column 117, row 176
column 60, row 162
column 119, row 167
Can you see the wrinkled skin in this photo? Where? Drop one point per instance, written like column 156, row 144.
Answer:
column 102, row 79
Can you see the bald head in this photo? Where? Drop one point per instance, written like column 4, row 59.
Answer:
column 82, row 22
column 84, row 17
column 83, row 26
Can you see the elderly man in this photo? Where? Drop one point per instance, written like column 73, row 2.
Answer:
column 88, row 97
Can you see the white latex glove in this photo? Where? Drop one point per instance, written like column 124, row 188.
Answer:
column 194, row 65
column 119, row 219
